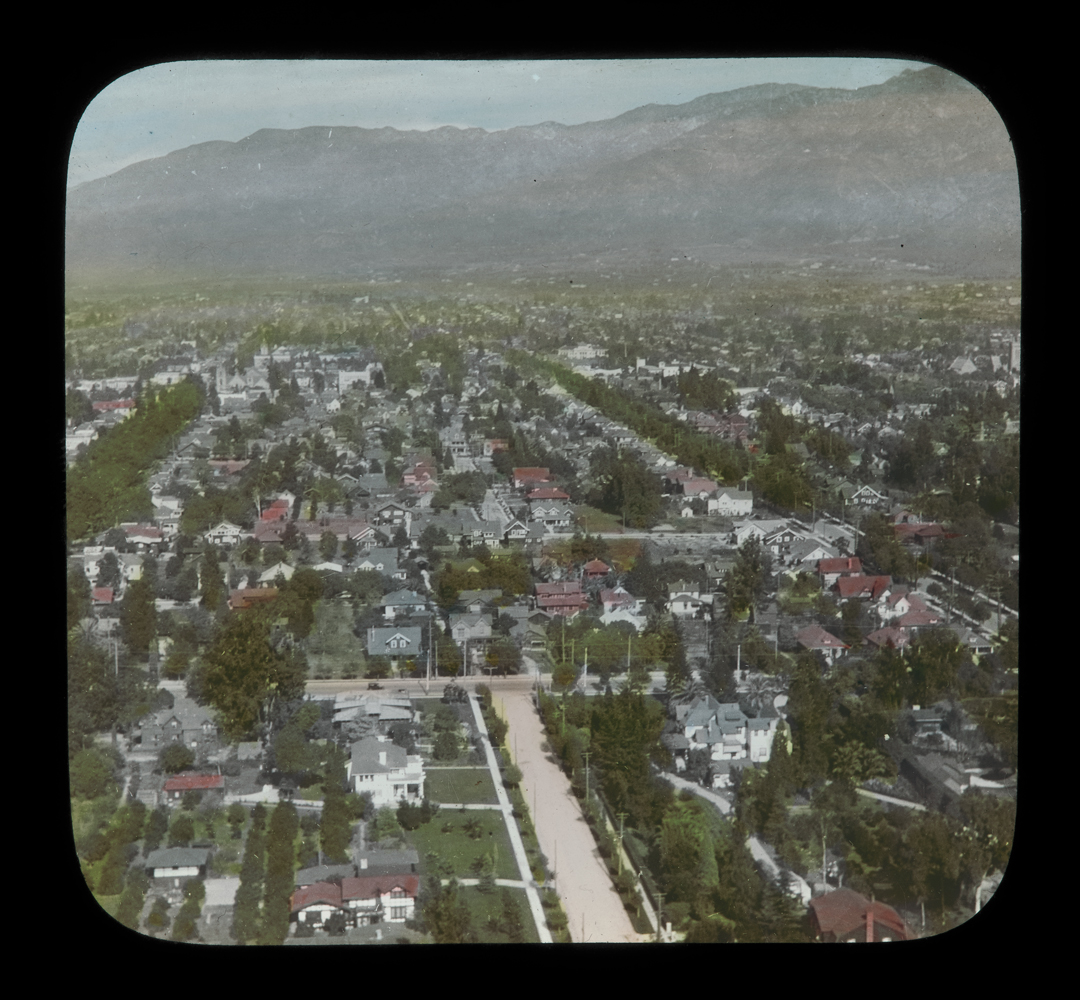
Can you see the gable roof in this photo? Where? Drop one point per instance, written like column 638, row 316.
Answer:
column 373, row 886
column 177, row 857
column 843, row 911
column 815, row 637
column 365, row 757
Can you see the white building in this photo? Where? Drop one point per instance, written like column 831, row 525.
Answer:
column 386, row 772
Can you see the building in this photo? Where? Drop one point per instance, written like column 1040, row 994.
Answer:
column 847, row 916
column 386, row 772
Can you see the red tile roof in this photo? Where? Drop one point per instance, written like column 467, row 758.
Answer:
column 372, row 886
column 597, row 566
column 188, row 780
column 102, row 595
column 320, row 892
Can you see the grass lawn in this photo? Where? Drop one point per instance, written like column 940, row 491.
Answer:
column 460, row 786
column 597, row 521
column 457, row 849
column 484, row 905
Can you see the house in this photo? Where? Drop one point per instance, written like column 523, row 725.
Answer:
column 760, row 733
column 561, row 598
column 596, row 569
column 844, row 915
column 530, row 476
column 402, row 602
column 470, row 627
column 619, row 597
column 731, row 503
column 815, row 638
column 189, row 781
column 867, row 496
column 248, row 597
column 885, row 637
column 225, row 533
column 396, row 643
column 185, row 723
column 177, row 863
column 830, row 570
column 545, row 493
column 684, row 599
column 373, row 899
column 865, row 588
column 386, row 772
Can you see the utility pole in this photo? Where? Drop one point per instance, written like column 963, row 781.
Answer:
column 659, row 917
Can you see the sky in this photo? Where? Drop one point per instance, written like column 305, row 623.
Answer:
column 169, row 106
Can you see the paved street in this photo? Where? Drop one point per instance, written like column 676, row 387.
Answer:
column 593, row 908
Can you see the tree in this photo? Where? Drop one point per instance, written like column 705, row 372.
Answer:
column 90, row 774
column 445, row 916
column 328, row 545
column 109, row 574
column 78, row 598
column 176, row 757
column 138, row 616
column 245, row 676
column 687, row 858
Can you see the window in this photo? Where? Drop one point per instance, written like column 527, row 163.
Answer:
column 397, row 894
column 399, row 912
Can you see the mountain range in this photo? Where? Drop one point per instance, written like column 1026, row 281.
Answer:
column 919, row 168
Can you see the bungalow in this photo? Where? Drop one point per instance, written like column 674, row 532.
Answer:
column 394, row 642
column 189, row 781
column 386, row 772
column 224, row 533
column 177, row 863
column 847, row 916
column 815, row 638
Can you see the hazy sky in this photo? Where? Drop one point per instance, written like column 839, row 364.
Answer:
column 161, row 108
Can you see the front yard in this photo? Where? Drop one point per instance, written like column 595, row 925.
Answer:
column 458, row 848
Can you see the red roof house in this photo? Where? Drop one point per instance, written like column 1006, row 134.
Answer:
column 531, row 474
column 596, row 569
column 816, row 638
column 845, row 915
column 832, row 569
column 547, row 493
column 864, row 587
column 189, row 781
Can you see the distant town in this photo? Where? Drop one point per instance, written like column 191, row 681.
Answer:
column 401, row 613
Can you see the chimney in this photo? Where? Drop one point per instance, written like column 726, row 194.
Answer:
column 363, row 863
column 382, row 757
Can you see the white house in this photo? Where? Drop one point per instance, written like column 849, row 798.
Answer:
column 731, row 503
column 386, row 772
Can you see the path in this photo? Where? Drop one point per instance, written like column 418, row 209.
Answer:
column 532, row 894
column 594, row 911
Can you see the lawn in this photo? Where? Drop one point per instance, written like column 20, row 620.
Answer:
column 482, row 906
column 472, row 785
column 457, row 849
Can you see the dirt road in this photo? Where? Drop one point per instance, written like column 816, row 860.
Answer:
column 593, row 908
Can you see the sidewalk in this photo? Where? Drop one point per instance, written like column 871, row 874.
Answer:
column 531, row 892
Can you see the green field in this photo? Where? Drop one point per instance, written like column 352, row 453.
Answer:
column 468, row 786
column 457, row 849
